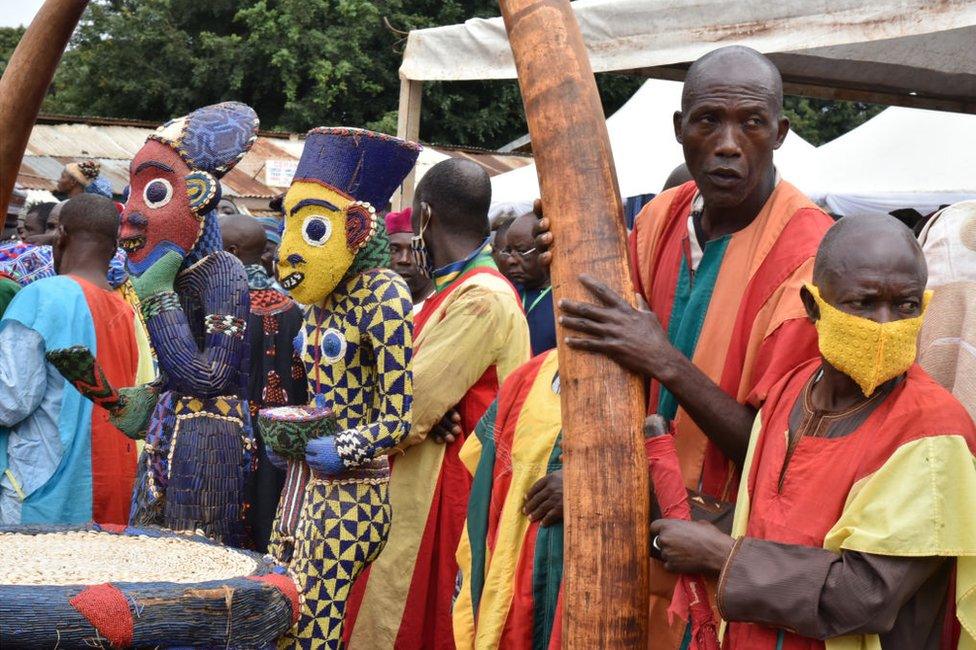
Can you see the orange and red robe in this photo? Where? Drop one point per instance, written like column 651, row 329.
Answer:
column 468, row 337
column 900, row 485
column 731, row 305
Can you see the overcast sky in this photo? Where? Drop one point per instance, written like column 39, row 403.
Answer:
column 18, row 12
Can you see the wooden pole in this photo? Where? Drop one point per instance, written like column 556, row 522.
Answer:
column 26, row 79
column 408, row 128
column 605, row 577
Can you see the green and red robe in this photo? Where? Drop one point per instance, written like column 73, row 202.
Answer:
column 511, row 567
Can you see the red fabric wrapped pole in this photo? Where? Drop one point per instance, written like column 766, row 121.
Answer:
column 690, row 599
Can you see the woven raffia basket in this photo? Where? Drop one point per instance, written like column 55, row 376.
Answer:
column 101, row 586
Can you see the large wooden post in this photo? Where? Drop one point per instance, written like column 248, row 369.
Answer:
column 605, row 578
column 26, row 79
column 408, row 128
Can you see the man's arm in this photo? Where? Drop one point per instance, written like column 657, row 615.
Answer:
column 457, row 351
column 816, row 592
column 635, row 339
column 23, row 372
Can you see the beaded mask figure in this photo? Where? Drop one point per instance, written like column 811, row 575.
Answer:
column 331, row 227
column 174, row 181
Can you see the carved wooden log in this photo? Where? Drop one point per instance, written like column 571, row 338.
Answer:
column 605, row 578
column 26, row 79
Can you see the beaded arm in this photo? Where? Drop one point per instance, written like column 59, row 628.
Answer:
column 218, row 283
column 388, row 322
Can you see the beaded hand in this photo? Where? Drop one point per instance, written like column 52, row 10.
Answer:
column 128, row 408
column 159, row 277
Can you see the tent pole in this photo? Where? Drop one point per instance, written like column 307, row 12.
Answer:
column 408, row 128
column 26, row 79
column 606, row 498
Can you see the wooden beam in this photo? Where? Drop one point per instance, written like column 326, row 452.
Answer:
column 605, row 569
column 408, row 128
column 26, row 79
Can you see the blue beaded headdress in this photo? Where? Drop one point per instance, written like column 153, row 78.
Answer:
column 213, row 138
column 365, row 165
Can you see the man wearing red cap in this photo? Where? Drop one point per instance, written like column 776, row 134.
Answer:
column 400, row 230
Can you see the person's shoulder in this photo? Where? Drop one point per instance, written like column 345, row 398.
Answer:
column 385, row 285
column 666, row 204
column 932, row 406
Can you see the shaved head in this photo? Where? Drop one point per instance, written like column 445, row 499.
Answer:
column 738, row 66
column 458, row 192
column 92, row 217
column 870, row 267
column 854, row 244
column 244, row 237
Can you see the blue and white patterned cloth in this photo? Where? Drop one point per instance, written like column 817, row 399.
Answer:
column 37, row 262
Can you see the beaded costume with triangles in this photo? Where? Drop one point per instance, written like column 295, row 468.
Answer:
column 334, row 515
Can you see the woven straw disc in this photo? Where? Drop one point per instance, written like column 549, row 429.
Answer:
column 88, row 557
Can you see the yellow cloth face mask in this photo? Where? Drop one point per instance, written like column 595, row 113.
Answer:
column 868, row 352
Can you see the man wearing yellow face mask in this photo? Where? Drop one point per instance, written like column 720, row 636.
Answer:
column 852, row 526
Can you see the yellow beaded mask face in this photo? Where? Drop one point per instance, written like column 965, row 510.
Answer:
column 868, row 352
column 314, row 253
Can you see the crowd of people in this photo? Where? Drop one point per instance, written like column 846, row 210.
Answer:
column 829, row 474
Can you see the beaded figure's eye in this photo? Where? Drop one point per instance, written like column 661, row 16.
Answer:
column 316, row 230
column 157, row 193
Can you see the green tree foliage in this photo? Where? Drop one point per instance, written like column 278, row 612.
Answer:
column 9, row 37
column 820, row 120
column 305, row 63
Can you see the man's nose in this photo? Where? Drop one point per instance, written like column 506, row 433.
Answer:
column 402, row 257
column 885, row 313
column 728, row 144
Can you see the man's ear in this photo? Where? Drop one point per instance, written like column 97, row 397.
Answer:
column 813, row 309
column 783, row 128
column 203, row 190
column 676, row 119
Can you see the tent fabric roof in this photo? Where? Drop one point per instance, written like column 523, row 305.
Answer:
column 901, row 158
column 876, row 50
column 645, row 150
column 115, row 142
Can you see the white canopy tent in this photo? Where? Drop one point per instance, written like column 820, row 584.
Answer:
column 645, row 150
column 900, row 52
column 901, row 158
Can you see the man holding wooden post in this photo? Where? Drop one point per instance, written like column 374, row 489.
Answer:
column 720, row 262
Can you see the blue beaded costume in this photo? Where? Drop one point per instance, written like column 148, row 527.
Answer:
column 198, row 438
column 356, row 346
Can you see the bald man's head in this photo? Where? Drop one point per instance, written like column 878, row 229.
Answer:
column 871, row 267
column 458, row 195
column 734, row 65
column 243, row 237
column 731, row 120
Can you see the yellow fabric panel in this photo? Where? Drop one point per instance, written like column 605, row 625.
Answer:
column 146, row 371
column 412, row 484
column 741, row 519
column 917, row 505
column 463, row 614
column 470, row 453
column 535, row 434
column 479, row 325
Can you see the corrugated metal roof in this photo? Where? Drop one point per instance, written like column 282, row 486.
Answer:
column 58, row 140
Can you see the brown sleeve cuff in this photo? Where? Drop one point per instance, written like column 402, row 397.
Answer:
column 773, row 584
